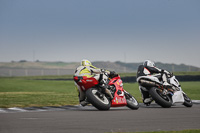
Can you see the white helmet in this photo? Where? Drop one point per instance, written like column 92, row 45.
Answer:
column 149, row 63
column 86, row 63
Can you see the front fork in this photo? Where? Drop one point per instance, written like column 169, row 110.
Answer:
column 127, row 95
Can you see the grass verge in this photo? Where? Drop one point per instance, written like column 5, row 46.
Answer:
column 183, row 131
column 28, row 92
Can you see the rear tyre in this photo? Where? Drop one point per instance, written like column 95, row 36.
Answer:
column 132, row 103
column 97, row 99
column 163, row 100
column 187, row 101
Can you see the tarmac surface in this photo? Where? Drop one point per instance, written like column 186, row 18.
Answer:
column 77, row 119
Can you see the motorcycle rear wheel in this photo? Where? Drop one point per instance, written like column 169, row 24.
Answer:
column 163, row 100
column 97, row 99
column 187, row 101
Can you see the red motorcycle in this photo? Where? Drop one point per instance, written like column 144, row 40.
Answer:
column 98, row 96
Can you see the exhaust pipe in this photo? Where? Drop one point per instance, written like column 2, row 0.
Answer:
column 147, row 83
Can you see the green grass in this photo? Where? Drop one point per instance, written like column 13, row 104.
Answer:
column 19, row 92
column 187, row 73
column 192, row 89
column 27, row 91
column 183, row 131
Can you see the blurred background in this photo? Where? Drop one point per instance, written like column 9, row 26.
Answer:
column 55, row 35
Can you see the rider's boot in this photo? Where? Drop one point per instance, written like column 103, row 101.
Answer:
column 109, row 93
column 104, row 86
column 167, row 85
column 147, row 101
column 84, row 103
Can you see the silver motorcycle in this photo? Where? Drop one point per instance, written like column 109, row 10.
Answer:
column 162, row 95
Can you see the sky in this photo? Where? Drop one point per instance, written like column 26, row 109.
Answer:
column 165, row 31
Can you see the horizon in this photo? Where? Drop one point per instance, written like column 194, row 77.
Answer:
column 23, row 61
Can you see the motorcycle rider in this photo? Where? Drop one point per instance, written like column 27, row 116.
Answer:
column 88, row 70
column 149, row 68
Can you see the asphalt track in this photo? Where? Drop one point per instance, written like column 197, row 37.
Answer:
column 77, row 119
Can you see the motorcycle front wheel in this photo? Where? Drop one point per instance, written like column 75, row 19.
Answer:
column 187, row 101
column 98, row 99
column 132, row 103
column 163, row 100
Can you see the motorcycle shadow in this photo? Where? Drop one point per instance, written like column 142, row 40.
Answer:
column 155, row 105
column 92, row 108
column 141, row 105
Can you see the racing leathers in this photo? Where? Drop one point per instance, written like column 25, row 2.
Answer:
column 89, row 71
column 147, row 70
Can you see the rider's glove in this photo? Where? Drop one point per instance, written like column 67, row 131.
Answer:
column 102, row 70
column 113, row 74
column 167, row 73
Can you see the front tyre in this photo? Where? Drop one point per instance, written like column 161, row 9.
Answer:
column 97, row 99
column 163, row 100
column 132, row 103
column 187, row 101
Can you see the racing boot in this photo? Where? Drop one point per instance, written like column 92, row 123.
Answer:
column 109, row 93
column 167, row 85
column 104, row 86
column 84, row 103
column 147, row 101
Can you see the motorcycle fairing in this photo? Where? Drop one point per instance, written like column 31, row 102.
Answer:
column 119, row 97
column 178, row 97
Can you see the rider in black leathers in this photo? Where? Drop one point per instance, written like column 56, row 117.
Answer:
column 148, row 68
